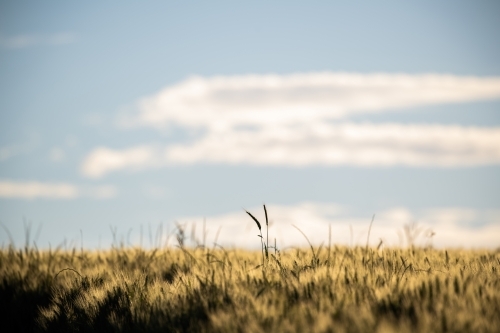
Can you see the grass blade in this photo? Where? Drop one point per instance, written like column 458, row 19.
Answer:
column 307, row 239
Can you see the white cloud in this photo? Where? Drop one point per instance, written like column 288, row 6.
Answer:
column 316, row 144
column 33, row 189
column 103, row 160
column 452, row 227
column 345, row 144
column 302, row 119
column 28, row 40
column 228, row 101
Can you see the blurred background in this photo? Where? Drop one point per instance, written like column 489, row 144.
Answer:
column 122, row 121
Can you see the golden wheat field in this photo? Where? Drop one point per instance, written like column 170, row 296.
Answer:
column 212, row 289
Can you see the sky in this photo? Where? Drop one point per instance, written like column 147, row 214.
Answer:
column 121, row 122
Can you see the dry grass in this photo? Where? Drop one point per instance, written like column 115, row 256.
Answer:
column 216, row 290
column 200, row 289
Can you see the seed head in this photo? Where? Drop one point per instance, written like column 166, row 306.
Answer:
column 258, row 224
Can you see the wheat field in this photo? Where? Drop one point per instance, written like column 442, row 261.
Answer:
column 212, row 289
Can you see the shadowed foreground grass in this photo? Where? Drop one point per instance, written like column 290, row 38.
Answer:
column 215, row 290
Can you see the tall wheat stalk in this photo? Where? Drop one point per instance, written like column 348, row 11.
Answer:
column 264, row 245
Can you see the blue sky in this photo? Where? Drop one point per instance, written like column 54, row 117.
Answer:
column 131, row 114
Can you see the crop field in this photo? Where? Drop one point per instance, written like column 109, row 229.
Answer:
column 213, row 289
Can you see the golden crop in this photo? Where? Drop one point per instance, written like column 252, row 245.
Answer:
column 337, row 289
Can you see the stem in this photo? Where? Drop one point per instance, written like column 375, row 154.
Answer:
column 262, row 247
column 267, row 231
column 369, row 229
column 267, row 242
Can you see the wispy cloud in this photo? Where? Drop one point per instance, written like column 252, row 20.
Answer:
column 442, row 227
column 33, row 189
column 28, row 40
column 104, row 160
column 228, row 101
column 317, row 144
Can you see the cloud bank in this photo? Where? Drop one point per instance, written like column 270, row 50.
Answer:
column 33, row 190
column 346, row 144
column 317, row 144
column 228, row 101
column 303, row 120
column 442, row 227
